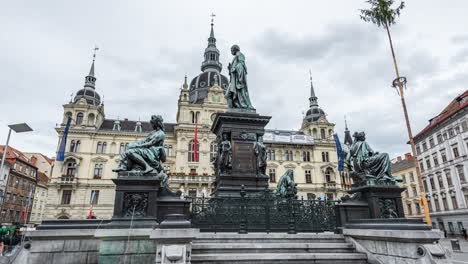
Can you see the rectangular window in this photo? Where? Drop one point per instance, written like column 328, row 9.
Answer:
column 418, row 150
column 436, row 161
column 425, row 186
column 451, row 132
column 192, row 193
column 454, row 202
column 424, row 145
column 403, row 177
column 421, row 165
column 450, row 224
column 411, row 177
column 448, row 175
column 418, row 208
column 431, row 180
column 308, row 176
column 410, row 211
column 431, row 142
column 272, row 174
column 439, row 138
column 66, row 196
column 437, row 205
column 457, row 130
column 444, row 202
column 443, row 156
column 441, row 182
column 461, row 174
column 94, row 197
column 325, row 157
column 455, row 152
column 464, row 125
column 415, row 191
column 428, row 163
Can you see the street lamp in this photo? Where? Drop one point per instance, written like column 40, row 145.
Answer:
column 18, row 128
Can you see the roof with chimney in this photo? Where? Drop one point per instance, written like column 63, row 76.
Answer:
column 14, row 154
column 457, row 104
column 403, row 164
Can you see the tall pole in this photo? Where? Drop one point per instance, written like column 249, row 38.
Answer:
column 410, row 134
column 4, row 155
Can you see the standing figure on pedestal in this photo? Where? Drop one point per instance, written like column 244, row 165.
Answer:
column 146, row 155
column 224, row 157
column 237, row 94
column 366, row 164
column 260, row 152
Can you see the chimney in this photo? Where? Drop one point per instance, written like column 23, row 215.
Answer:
column 33, row 160
column 408, row 157
column 398, row 158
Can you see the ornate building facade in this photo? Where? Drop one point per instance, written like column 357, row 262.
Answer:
column 94, row 144
column 405, row 169
column 442, row 150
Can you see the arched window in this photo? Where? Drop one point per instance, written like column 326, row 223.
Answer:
column 71, row 168
column 322, row 134
column 330, row 132
column 192, row 117
column 170, row 151
column 213, row 150
column 79, row 118
column 122, row 148
column 104, row 147
column 329, row 175
column 191, row 151
column 78, row 146
column 99, row 147
column 98, row 171
column 289, row 155
column 270, row 154
column 91, row 119
column 314, row 133
column 72, row 146
column 272, row 174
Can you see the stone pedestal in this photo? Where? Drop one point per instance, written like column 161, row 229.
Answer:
column 135, row 200
column 371, row 202
column 243, row 128
column 383, row 201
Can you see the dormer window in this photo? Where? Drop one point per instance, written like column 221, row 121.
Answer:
column 116, row 125
column 138, row 127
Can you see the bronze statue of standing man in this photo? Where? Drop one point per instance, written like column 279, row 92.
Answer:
column 237, row 94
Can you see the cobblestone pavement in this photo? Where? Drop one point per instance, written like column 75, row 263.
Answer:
column 458, row 257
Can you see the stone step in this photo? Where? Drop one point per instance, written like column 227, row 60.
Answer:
column 211, row 248
column 255, row 258
column 269, row 238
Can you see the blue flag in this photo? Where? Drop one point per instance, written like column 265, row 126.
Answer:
column 339, row 151
column 63, row 144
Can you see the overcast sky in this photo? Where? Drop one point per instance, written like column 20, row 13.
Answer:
column 146, row 48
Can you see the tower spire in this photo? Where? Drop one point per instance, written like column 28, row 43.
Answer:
column 185, row 86
column 347, row 138
column 90, row 80
column 312, row 98
column 211, row 62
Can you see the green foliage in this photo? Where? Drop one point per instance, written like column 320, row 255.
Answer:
column 381, row 12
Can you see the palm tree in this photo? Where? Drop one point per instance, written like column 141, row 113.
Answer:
column 383, row 15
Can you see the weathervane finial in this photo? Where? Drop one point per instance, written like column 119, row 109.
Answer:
column 212, row 18
column 94, row 52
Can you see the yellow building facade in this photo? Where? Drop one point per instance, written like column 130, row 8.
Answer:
column 94, row 143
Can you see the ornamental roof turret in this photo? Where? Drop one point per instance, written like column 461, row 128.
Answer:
column 315, row 112
column 211, row 72
column 89, row 90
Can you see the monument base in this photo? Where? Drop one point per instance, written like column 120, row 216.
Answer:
column 371, row 202
column 242, row 127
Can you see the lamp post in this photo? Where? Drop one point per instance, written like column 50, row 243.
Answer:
column 18, row 128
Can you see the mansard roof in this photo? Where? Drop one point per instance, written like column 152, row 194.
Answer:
column 129, row 126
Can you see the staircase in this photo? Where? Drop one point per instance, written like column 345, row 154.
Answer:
column 274, row 248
